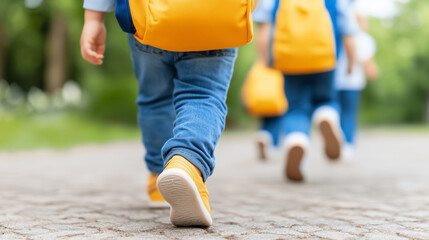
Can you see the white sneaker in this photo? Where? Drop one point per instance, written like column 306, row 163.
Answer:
column 264, row 143
column 328, row 122
column 348, row 152
column 296, row 145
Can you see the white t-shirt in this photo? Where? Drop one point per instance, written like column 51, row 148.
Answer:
column 264, row 11
column 365, row 50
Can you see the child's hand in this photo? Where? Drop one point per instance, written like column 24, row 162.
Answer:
column 255, row 5
column 350, row 48
column 92, row 41
column 262, row 42
column 371, row 69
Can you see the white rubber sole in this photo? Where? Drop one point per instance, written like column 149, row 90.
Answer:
column 155, row 205
column 187, row 207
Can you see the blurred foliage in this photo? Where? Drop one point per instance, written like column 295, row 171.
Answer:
column 110, row 88
column 400, row 95
column 237, row 116
column 112, row 99
column 58, row 131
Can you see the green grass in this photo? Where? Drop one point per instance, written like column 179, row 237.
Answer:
column 63, row 130
column 59, row 131
column 398, row 128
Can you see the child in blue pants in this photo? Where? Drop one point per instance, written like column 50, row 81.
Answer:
column 349, row 86
column 309, row 96
column 181, row 114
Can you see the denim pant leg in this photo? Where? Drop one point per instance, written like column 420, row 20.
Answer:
column 273, row 125
column 323, row 90
column 156, row 114
column 200, row 89
column 298, row 91
column 349, row 103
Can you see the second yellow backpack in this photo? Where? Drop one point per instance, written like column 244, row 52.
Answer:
column 187, row 25
column 303, row 41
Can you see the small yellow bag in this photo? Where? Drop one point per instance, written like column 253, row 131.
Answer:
column 263, row 92
column 188, row 25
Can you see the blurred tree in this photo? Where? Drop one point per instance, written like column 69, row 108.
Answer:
column 56, row 65
column 3, row 43
column 22, row 38
column 401, row 93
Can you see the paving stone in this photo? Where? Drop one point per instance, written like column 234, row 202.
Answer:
column 383, row 236
column 12, row 236
column 205, row 237
column 392, row 228
column 63, row 234
column 136, row 227
column 334, row 235
column 420, row 214
column 404, row 219
column 32, row 231
column 423, row 226
column 414, row 234
column 284, row 231
column 228, row 230
column 259, row 236
column 352, row 230
column 306, row 229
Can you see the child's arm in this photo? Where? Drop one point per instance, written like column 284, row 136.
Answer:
column 350, row 49
column 264, row 16
column 93, row 38
column 371, row 69
column 348, row 27
column 262, row 41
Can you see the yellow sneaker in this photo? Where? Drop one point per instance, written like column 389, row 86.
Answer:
column 155, row 198
column 182, row 186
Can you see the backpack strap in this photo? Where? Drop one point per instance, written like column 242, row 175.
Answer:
column 273, row 27
column 275, row 9
column 123, row 15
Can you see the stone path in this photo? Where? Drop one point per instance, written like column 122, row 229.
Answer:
column 98, row 192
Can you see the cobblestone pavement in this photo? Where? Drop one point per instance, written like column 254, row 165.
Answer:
column 98, row 192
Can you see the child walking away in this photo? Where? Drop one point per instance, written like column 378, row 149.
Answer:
column 271, row 131
column 183, row 59
column 302, row 44
column 350, row 85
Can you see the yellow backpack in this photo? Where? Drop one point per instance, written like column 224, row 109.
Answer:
column 303, row 41
column 187, row 25
column 263, row 92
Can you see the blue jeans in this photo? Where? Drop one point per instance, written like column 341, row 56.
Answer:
column 305, row 93
column 349, row 108
column 181, row 103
